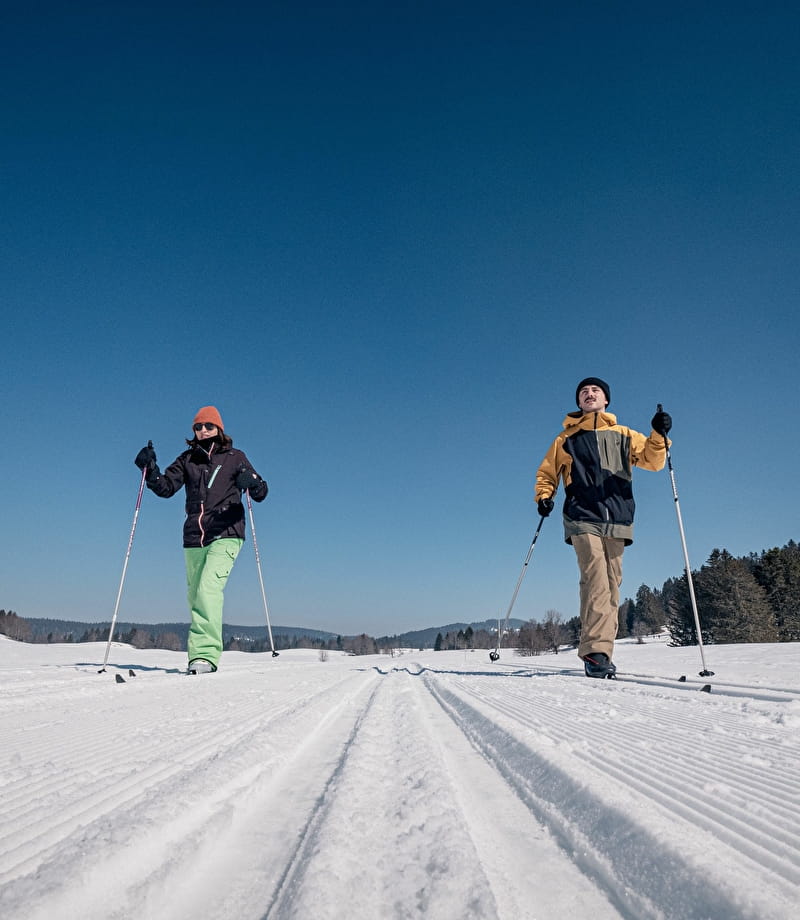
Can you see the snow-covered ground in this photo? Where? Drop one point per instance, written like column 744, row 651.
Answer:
column 427, row 785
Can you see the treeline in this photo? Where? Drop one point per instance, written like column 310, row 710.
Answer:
column 753, row 598
column 354, row 645
column 464, row 638
column 15, row 627
column 141, row 638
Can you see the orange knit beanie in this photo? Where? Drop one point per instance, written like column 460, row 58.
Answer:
column 209, row 414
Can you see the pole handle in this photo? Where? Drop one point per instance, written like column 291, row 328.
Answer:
column 660, row 408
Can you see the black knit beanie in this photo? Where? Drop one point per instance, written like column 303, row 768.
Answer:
column 593, row 381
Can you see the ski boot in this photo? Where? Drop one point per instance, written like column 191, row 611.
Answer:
column 598, row 664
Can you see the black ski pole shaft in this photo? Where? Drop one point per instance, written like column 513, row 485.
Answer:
column 125, row 566
column 260, row 576
column 690, row 582
column 496, row 654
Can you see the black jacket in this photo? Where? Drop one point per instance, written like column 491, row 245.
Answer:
column 213, row 502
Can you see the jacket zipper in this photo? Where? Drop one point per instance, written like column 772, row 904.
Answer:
column 213, row 476
column 605, row 515
column 203, row 504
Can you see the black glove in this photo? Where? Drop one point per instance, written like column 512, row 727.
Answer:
column 661, row 422
column 545, row 506
column 246, row 479
column 146, row 458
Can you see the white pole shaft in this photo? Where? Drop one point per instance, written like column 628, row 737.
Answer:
column 519, row 584
column 687, row 565
column 125, row 567
column 258, row 567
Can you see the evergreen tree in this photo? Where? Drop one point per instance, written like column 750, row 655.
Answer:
column 680, row 617
column 649, row 615
column 737, row 604
column 437, row 646
column 572, row 631
column 731, row 604
column 778, row 572
column 14, row 627
column 626, row 618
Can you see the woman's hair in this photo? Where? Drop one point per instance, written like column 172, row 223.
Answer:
column 220, row 438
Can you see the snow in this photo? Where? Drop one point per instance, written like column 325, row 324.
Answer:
column 435, row 785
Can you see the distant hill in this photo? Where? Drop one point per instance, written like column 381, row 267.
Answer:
column 426, row 638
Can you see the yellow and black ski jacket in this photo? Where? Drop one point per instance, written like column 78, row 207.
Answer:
column 594, row 458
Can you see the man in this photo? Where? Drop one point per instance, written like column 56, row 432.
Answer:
column 594, row 458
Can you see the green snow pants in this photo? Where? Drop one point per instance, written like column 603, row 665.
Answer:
column 207, row 571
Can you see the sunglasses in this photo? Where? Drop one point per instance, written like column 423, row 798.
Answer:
column 201, row 425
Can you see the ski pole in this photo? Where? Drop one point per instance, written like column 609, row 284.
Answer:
column 260, row 576
column 125, row 566
column 705, row 672
column 493, row 656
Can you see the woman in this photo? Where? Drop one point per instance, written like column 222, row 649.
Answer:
column 214, row 474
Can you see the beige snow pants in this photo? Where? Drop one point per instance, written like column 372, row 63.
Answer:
column 600, row 565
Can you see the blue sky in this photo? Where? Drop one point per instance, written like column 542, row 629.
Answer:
column 387, row 242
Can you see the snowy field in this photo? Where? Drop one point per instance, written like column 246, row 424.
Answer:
column 427, row 785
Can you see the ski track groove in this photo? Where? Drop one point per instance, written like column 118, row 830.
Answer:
column 631, row 736
column 736, row 830
column 642, row 873
column 107, row 764
column 776, row 830
column 415, row 829
column 71, row 795
column 290, row 879
column 224, row 872
column 721, row 740
column 727, row 751
column 418, row 806
column 426, row 829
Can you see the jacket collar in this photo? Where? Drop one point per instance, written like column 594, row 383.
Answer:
column 589, row 421
column 201, row 455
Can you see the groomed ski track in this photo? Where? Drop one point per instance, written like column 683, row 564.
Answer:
column 435, row 786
